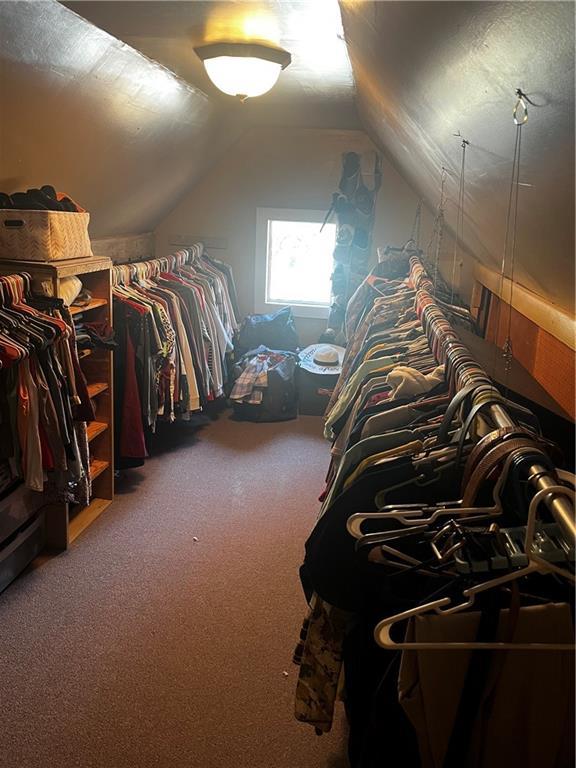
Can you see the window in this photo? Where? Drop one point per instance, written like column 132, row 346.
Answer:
column 294, row 261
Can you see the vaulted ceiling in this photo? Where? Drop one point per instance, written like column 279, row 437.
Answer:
column 316, row 90
column 85, row 112
column 109, row 100
column 426, row 71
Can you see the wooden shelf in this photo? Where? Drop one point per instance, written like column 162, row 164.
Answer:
column 64, row 521
column 93, row 304
column 97, row 466
column 85, row 517
column 97, row 388
column 59, row 269
column 95, row 428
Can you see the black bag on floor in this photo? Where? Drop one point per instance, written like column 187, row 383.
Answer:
column 275, row 331
column 279, row 397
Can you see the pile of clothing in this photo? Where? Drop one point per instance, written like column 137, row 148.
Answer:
column 92, row 335
column 265, row 388
column 44, row 199
column 264, row 373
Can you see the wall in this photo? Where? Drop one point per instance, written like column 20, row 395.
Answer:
column 88, row 114
column 545, row 357
column 428, row 72
column 280, row 168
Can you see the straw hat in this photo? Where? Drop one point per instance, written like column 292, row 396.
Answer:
column 322, row 358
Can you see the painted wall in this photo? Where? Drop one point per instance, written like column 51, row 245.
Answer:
column 281, row 168
column 98, row 120
column 426, row 71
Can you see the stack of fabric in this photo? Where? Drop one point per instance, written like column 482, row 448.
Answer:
column 90, row 335
column 265, row 388
column 253, row 380
column 44, row 199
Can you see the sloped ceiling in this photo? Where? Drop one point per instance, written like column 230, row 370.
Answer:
column 127, row 132
column 84, row 112
column 317, row 89
column 427, row 70
column 109, row 103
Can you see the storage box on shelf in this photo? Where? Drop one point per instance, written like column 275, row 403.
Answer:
column 43, row 236
column 65, row 522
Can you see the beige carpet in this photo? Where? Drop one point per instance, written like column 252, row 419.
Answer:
column 142, row 647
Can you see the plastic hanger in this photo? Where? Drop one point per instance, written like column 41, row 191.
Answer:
column 410, row 515
column 423, row 479
column 401, row 561
column 417, row 517
column 416, row 514
column 382, row 632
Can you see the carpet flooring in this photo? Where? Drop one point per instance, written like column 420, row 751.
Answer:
column 162, row 638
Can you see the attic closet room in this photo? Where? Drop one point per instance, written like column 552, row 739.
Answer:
column 287, row 384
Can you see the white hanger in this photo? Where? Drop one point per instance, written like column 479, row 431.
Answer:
column 535, row 565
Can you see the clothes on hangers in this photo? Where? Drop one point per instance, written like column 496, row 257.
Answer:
column 44, row 402
column 508, row 724
column 409, row 425
column 174, row 320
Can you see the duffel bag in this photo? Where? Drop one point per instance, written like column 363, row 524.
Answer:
column 275, row 331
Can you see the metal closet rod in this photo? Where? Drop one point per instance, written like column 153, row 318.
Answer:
column 540, row 478
column 171, row 259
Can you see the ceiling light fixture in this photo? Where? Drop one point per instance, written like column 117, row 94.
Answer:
column 243, row 69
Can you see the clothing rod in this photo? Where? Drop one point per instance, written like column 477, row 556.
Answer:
column 558, row 505
column 540, row 478
column 186, row 253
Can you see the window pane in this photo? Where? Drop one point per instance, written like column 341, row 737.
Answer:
column 299, row 262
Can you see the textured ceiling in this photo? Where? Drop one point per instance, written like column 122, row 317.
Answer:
column 118, row 112
column 87, row 107
column 317, row 89
column 427, row 70
column 86, row 113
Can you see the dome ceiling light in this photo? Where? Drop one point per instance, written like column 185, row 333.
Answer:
column 243, row 69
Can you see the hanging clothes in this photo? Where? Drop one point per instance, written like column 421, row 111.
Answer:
column 354, row 206
column 409, row 433
column 44, row 402
column 174, row 320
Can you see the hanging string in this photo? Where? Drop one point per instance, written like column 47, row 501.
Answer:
column 415, row 236
column 516, row 187
column 520, row 115
column 437, row 232
column 459, row 218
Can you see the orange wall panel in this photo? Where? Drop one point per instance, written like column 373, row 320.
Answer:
column 550, row 362
column 554, row 368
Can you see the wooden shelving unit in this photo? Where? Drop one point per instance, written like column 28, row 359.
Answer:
column 65, row 522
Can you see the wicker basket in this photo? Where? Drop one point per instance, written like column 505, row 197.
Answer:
column 44, row 235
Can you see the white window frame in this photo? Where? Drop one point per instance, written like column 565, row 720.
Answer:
column 263, row 216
